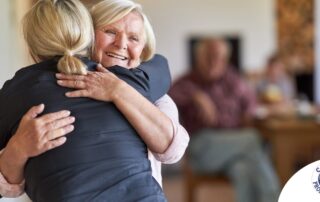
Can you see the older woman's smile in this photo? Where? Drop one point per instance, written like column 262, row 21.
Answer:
column 117, row 56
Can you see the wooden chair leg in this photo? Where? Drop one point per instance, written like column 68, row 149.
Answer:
column 192, row 180
column 190, row 188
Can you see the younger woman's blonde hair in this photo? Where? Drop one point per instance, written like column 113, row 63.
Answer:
column 59, row 28
column 109, row 11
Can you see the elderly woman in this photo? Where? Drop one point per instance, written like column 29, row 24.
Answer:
column 125, row 46
column 120, row 29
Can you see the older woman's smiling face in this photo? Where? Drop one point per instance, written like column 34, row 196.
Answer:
column 121, row 43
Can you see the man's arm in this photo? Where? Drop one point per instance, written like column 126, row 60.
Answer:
column 248, row 103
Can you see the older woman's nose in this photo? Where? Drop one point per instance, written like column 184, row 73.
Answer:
column 121, row 41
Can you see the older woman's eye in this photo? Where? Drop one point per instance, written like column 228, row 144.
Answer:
column 109, row 31
column 134, row 38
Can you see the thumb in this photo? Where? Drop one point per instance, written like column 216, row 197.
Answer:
column 100, row 68
column 34, row 111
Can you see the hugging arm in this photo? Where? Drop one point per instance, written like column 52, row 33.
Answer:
column 34, row 136
column 154, row 127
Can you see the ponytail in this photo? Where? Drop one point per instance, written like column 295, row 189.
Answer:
column 60, row 28
column 69, row 64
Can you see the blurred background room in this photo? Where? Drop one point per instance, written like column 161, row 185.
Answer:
column 274, row 48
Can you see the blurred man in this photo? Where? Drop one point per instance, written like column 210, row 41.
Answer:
column 217, row 107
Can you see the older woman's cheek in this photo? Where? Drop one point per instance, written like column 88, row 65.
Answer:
column 97, row 55
column 136, row 54
column 134, row 63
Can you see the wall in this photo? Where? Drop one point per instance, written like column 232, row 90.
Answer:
column 175, row 21
column 11, row 57
column 13, row 51
column 5, row 10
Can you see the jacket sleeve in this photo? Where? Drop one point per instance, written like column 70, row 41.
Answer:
column 5, row 134
column 158, row 73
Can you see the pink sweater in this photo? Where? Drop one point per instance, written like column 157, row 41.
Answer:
column 172, row 155
column 179, row 142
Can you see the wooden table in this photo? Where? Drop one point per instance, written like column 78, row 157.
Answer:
column 293, row 140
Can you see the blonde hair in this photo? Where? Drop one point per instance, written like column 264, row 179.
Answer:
column 59, row 28
column 109, row 11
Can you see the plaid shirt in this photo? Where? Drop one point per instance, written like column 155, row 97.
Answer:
column 230, row 94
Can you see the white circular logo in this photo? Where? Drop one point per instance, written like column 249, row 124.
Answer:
column 316, row 179
column 303, row 186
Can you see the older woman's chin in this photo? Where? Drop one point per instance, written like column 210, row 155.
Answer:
column 112, row 62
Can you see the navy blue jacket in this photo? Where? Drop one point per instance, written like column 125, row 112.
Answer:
column 104, row 159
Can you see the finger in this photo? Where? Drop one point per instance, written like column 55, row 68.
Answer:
column 78, row 84
column 34, row 111
column 47, row 118
column 93, row 75
column 78, row 93
column 69, row 77
column 100, row 75
column 55, row 143
column 60, row 123
column 54, row 134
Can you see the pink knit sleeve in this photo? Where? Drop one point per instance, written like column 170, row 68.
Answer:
column 180, row 140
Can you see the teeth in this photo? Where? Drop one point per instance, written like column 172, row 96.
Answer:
column 116, row 56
